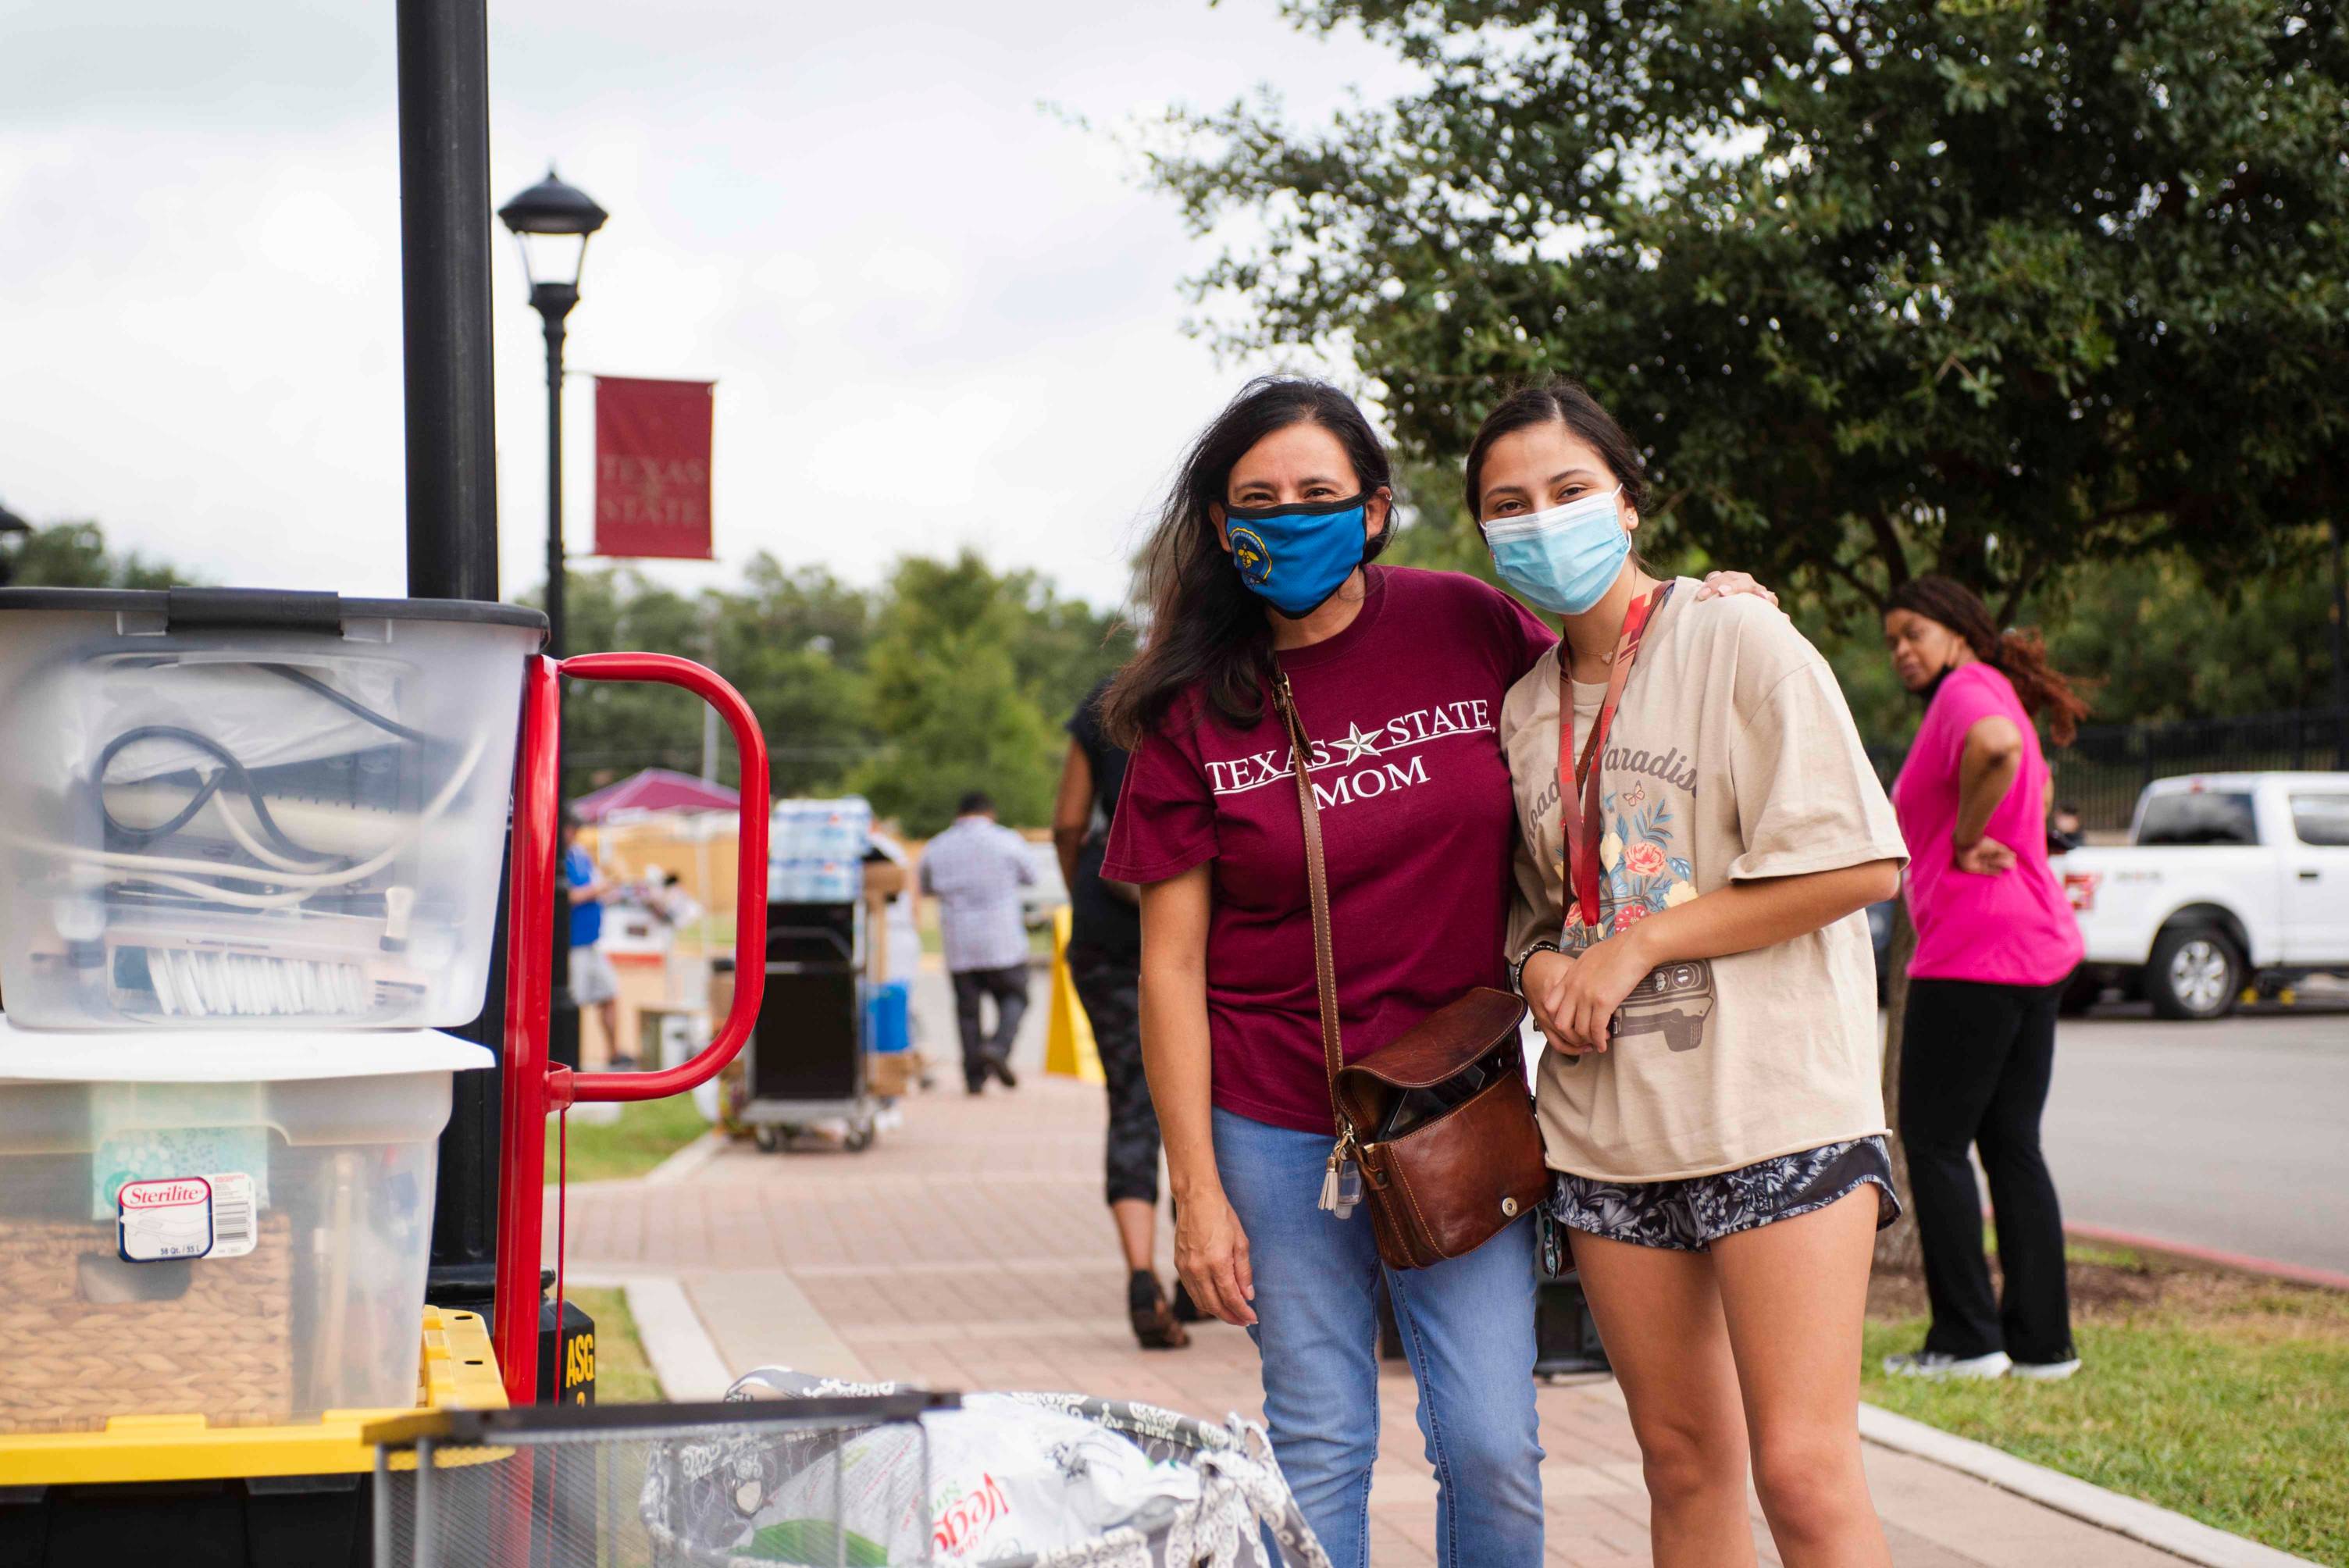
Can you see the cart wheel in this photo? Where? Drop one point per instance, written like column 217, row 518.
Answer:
column 766, row 1138
column 860, row 1136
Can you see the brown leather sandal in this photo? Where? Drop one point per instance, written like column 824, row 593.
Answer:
column 1154, row 1326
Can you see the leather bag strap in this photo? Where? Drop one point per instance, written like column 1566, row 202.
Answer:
column 1317, row 882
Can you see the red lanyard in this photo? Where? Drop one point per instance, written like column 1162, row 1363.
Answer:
column 1577, row 782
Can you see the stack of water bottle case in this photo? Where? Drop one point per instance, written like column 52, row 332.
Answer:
column 249, row 857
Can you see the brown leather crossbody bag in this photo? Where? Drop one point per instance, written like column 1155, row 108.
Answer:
column 1439, row 1124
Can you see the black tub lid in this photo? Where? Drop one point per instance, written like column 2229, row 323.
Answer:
column 277, row 609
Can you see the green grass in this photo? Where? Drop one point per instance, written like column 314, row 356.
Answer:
column 647, row 1133
column 623, row 1375
column 2222, row 1397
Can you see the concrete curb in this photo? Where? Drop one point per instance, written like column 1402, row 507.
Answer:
column 2186, row 1251
column 683, row 1356
column 2157, row 1527
column 687, row 1161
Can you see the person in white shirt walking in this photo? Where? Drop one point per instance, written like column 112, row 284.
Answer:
column 976, row 870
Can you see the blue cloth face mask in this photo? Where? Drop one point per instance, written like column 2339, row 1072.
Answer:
column 1563, row 560
column 1295, row 557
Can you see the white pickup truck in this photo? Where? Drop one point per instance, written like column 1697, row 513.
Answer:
column 2229, row 882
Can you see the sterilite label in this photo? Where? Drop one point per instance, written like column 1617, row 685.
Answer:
column 186, row 1217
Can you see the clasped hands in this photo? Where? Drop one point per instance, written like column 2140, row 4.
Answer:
column 1573, row 998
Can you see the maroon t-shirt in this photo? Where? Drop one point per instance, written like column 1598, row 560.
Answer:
column 1418, row 825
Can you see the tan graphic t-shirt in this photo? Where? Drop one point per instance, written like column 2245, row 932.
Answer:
column 1732, row 757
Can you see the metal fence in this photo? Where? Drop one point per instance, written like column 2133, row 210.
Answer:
column 2107, row 766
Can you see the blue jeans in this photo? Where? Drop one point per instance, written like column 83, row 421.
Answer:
column 1467, row 1325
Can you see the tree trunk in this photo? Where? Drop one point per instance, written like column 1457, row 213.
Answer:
column 1898, row 1250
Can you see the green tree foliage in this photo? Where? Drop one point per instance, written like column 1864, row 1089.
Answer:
column 1990, row 286
column 791, row 643
column 971, row 674
column 952, row 678
column 74, row 555
column 2148, row 641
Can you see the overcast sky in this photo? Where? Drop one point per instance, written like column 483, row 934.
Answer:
column 937, row 315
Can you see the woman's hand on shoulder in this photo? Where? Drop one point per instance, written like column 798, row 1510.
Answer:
column 1211, row 1256
column 1728, row 584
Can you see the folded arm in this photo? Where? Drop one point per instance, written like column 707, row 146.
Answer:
column 1574, row 999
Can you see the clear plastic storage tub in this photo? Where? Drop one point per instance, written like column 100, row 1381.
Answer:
column 231, row 808
column 247, row 1243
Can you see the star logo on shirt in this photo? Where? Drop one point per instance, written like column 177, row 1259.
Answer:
column 1356, row 744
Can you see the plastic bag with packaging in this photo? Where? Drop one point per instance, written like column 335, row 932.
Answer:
column 1028, row 1479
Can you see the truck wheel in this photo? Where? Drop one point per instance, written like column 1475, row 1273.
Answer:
column 2194, row 973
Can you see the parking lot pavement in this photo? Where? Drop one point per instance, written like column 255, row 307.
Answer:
column 2231, row 1135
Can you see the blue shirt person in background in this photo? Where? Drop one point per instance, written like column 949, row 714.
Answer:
column 592, row 982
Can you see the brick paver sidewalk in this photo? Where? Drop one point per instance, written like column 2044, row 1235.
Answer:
column 971, row 1250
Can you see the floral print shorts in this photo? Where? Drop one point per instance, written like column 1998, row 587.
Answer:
column 1691, row 1214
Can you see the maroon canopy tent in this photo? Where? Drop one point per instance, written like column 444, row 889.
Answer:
column 655, row 789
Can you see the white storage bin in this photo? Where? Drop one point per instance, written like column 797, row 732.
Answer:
column 235, row 1227
column 230, row 809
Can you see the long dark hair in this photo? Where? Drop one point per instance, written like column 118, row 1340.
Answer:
column 1561, row 402
column 2020, row 654
column 1206, row 628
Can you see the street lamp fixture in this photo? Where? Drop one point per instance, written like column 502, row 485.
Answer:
column 550, row 221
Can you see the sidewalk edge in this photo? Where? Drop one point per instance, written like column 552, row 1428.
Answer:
column 687, row 1161
column 683, row 1354
column 2161, row 1528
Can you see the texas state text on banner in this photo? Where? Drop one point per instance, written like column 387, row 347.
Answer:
column 652, row 468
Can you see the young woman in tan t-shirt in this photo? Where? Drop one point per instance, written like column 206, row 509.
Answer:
column 1709, row 1101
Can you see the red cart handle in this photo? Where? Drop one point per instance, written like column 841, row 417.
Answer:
column 531, row 1087
column 750, row 878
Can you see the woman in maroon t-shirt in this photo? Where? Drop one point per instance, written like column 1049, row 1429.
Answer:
column 1261, row 565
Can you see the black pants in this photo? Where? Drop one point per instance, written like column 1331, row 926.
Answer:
column 1975, row 1060
column 1109, row 985
column 1009, row 986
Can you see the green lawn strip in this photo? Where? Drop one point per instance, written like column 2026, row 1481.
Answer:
column 623, row 1375
column 2227, row 1401
column 647, row 1133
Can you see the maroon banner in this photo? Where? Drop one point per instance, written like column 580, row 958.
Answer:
column 652, row 468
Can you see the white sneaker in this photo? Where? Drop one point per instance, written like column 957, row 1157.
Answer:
column 2044, row 1371
column 1941, row 1368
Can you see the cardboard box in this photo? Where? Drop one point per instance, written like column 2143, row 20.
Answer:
column 889, row 1073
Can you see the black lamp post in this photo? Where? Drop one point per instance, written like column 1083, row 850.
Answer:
column 552, row 222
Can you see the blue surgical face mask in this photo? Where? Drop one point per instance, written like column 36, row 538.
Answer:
column 1565, row 559
column 1295, row 557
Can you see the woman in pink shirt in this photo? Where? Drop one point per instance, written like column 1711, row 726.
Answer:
column 1997, row 942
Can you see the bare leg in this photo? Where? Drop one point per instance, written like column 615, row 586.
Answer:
column 1661, row 1315
column 1137, row 1231
column 609, row 1010
column 1796, row 1293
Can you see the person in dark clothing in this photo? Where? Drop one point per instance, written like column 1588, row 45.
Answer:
column 1105, row 961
